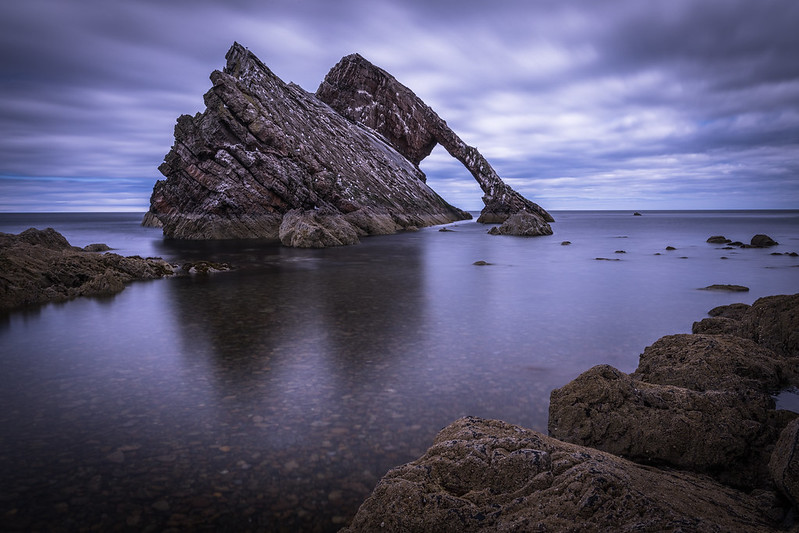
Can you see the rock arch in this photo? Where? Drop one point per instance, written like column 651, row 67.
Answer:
column 366, row 94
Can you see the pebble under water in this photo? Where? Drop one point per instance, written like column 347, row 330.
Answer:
column 274, row 397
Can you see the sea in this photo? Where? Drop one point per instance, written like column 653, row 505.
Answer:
column 273, row 397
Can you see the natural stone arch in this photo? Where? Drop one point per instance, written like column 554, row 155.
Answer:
column 369, row 95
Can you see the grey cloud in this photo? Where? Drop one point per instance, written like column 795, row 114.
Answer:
column 564, row 98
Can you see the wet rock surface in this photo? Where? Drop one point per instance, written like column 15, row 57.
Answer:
column 370, row 96
column 40, row 266
column 772, row 322
column 522, row 224
column 487, row 475
column 691, row 441
column 725, row 287
column 267, row 159
column 723, row 433
column 700, row 402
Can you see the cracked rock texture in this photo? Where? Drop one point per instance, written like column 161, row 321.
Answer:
column 487, row 475
column 264, row 148
column 267, row 159
column 371, row 96
column 39, row 266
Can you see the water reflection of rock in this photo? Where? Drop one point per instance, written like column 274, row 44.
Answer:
column 344, row 312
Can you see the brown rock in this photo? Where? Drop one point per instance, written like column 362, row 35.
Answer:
column 712, row 362
column 716, row 326
column 368, row 95
column 522, row 224
column 726, row 434
column 718, row 239
column 723, row 287
column 487, row 475
column 734, row 311
column 784, row 464
column 312, row 229
column 773, row 322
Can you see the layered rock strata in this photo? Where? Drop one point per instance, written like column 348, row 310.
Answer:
column 690, row 441
column 371, row 96
column 263, row 149
column 267, row 159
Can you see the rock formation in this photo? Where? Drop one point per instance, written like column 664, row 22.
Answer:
column 487, row 475
column 523, row 224
column 40, row 266
column 700, row 404
column 268, row 159
column 371, row 96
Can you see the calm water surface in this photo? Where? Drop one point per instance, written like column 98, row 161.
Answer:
column 275, row 396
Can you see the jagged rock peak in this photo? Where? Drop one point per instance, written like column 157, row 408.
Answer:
column 264, row 149
column 369, row 95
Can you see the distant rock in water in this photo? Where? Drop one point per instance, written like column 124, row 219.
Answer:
column 723, row 287
column 718, row 239
column 267, row 159
column 523, row 224
column 762, row 241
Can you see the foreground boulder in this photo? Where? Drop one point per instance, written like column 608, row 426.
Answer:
column 784, row 464
column 714, row 362
column 700, row 402
column 723, row 433
column 772, row 322
column 266, row 155
column 487, row 475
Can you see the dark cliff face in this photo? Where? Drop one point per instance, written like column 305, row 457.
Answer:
column 264, row 148
column 268, row 159
column 370, row 96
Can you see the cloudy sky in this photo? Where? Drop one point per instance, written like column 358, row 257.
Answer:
column 619, row 104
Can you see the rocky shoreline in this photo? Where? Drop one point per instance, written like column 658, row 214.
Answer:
column 690, row 441
column 40, row 266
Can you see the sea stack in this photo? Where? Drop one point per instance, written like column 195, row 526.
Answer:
column 267, row 159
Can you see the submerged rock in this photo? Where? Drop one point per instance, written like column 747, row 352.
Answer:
column 268, row 159
column 487, row 475
column 725, row 287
